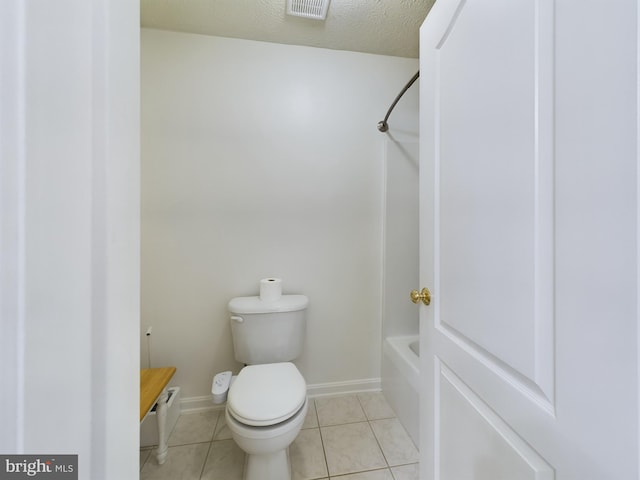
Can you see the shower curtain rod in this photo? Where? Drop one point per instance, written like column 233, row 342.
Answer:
column 383, row 126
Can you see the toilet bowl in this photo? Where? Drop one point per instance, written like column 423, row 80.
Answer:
column 266, row 407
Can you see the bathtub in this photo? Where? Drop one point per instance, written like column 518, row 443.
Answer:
column 401, row 380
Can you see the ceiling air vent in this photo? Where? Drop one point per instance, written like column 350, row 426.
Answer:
column 316, row 9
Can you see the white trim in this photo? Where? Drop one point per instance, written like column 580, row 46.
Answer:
column 189, row 405
column 344, row 388
column 637, row 93
column 70, row 86
column 12, row 225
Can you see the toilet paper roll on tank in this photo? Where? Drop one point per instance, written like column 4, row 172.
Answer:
column 270, row 289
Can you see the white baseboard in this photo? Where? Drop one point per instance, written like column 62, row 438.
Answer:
column 344, row 388
column 204, row 403
column 199, row 404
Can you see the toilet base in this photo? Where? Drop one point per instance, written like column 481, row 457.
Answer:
column 267, row 448
column 274, row 465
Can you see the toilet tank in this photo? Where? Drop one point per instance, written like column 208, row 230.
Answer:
column 268, row 332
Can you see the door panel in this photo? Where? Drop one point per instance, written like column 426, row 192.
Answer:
column 467, row 423
column 495, row 224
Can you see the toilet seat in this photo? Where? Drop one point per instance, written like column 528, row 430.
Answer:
column 266, row 394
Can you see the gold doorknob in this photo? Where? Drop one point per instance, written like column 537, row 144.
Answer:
column 424, row 295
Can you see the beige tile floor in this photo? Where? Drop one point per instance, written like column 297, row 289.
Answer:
column 348, row 437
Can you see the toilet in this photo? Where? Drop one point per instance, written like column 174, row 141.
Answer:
column 267, row 401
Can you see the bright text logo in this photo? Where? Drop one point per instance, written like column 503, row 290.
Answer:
column 50, row 467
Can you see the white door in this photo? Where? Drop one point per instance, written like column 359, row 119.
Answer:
column 69, row 234
column 529, row 240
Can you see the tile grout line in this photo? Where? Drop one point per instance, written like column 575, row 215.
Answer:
column 206, row 458
column 367, row 420
column 378, row 441
column 324, row 452
column 374, row 433
column 213, row 436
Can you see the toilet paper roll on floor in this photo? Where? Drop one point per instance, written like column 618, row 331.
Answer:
column 270, row 289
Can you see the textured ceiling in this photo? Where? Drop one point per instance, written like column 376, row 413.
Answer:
column 384, row 27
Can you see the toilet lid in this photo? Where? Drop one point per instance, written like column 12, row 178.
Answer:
column 266, row 394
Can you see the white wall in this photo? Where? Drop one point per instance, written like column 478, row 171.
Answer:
column 69, row 211
column 262, row 160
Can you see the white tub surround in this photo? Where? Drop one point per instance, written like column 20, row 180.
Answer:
column 401, row 380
